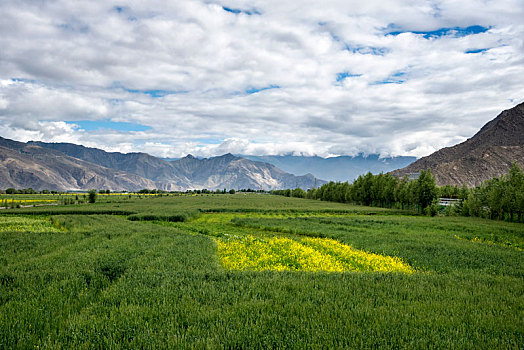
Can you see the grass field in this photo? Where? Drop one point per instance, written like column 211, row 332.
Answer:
column 256, row 271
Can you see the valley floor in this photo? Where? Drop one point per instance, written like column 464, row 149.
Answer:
column 256, row 271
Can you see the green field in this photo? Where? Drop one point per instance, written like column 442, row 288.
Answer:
column 255, row 271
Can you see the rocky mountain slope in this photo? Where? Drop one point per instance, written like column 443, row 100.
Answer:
column 229, row 171
column 141, row 164
column 489, row 153
column 65, row 166
column 23, row 166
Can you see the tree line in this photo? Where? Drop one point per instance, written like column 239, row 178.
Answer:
column 499, row 198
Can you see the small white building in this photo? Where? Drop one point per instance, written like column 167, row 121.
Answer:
column 449, row 201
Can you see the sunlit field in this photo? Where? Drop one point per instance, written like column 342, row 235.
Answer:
column 255, row 271
column 307, row 254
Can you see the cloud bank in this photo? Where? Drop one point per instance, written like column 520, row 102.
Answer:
column 326, row 78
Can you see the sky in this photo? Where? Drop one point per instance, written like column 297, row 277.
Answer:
column 326, row 78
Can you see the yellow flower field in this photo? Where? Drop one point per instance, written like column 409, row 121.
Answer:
column 307, row 254
column 26, row 201
column 26, row 224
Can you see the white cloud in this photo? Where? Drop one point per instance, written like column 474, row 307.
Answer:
column 83, row 60
column 42, row 130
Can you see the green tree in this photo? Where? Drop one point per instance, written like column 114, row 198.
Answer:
column 92, row 196
column 401, row 192
column 388, row 191
column 520, row 201
column 464, row 192
column 298, row 193
column 362, row 189
column 376, row 188
column 312, row 193
column 494, row 192
column 462, row 207
column 448, row 191
column 514, row 195
column 425, row 189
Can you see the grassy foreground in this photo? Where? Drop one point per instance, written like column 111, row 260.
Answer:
column 71, row 280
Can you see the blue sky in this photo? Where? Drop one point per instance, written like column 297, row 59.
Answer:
column 258, row 77
column 456, row 32
column 90, row 125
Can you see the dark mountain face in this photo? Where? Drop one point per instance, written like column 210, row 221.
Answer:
column 489, row 153
column 66, row 166
column 507, row 129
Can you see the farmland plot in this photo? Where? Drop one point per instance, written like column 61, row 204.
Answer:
column 104, row 281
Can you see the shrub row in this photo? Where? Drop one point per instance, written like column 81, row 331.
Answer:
column 47, row 211
column 178, row 217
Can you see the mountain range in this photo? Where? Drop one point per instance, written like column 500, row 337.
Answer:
column 489, row 153
column 66, row 166
column 342, row 168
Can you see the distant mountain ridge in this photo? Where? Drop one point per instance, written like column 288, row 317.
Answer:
column 244, row 173
column 489, row 153
column 141, row 164
column 25, row 165
column 341, row 168
column 66, row 166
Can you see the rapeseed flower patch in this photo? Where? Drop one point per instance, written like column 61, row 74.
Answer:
column 25, row 224
column 307, row 254
column 357, row 260
column 26, row 201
